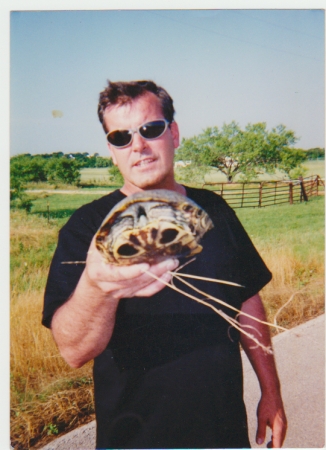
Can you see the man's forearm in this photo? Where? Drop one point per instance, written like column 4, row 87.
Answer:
column 270, row 411
column 82, row 327
column 262, row 362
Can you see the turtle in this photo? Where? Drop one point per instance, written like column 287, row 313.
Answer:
column 151, row 226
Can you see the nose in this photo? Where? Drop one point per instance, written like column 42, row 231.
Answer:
column 138, row 143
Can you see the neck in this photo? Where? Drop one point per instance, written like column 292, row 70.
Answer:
column 128, row 190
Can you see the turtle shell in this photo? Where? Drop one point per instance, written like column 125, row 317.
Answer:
column 150, row 226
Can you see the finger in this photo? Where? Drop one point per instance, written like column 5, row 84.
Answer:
column 144, row 270
column 136, row 280
column 155, row 286
column 278, row 431
column 261, row 431
column 159, row 276
column 164, row 266
column 115, row 273
column 122, row 273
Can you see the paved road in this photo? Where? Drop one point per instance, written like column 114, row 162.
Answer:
column 300, row 358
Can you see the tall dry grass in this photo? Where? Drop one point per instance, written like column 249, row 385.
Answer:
column 47, row 396
column 296, row 292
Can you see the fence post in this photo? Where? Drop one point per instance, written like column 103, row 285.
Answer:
column 260, row 194
column 291, row 193
column 303, row 194
column 48, row 210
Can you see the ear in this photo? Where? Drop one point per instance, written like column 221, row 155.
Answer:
column 175, row 134
column 111, row 151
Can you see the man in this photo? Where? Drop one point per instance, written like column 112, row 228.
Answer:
column 167, row 371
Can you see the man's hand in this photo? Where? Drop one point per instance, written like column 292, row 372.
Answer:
column 126, row 281
column 270, row 413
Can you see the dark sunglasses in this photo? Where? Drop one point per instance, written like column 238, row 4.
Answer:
column 148, row 131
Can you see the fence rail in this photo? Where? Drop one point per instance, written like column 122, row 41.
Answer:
column 259, row 194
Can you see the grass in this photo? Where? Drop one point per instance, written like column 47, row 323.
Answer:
column 60, row 206
column 315, row 167
column 47, row 396
column 97, row 176
column 291, row 241
column 300, row 225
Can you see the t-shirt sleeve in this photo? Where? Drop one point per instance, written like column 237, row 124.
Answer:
column 249, row 268
column 73, row 244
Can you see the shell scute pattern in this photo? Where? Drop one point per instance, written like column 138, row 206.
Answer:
column 151, row 226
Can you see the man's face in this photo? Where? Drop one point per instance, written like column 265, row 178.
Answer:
column 144, row 164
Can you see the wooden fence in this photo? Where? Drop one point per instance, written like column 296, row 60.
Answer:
column 267, row 193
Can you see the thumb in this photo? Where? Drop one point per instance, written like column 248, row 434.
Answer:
column 261, row 431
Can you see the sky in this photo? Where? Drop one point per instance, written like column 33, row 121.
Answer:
column 246, row 65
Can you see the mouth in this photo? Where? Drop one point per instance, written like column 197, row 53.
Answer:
column 144, row 162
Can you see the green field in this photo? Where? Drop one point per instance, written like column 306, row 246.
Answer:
column 95, row 175
column 60, row 206
column 316, row 167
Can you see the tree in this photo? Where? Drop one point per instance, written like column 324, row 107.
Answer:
column 115, row 175
column 291, row 159
column 18, row 197
column 315, row 153
column 233, row 151
column 28, row 168
column 63, row 170
column 103, row 162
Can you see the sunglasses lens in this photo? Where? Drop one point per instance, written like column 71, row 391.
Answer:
column 119, row 138
column 152, row 130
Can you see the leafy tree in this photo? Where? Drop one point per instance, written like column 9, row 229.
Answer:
column 57, row 155
column 20, row 200
column 291, row 160
column 18, row 197
column 103, row 162
column 63, row 170
column 28, row 168
column 234, row 151
column 190, row 174
column 115, row 175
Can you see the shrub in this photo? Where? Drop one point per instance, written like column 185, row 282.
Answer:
column 63, row 170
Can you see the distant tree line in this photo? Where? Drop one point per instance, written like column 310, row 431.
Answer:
column 54, row 168
column 315, row 153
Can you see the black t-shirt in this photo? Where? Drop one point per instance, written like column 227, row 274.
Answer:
column 171, row 374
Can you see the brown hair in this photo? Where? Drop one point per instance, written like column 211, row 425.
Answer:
column 121, row 92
